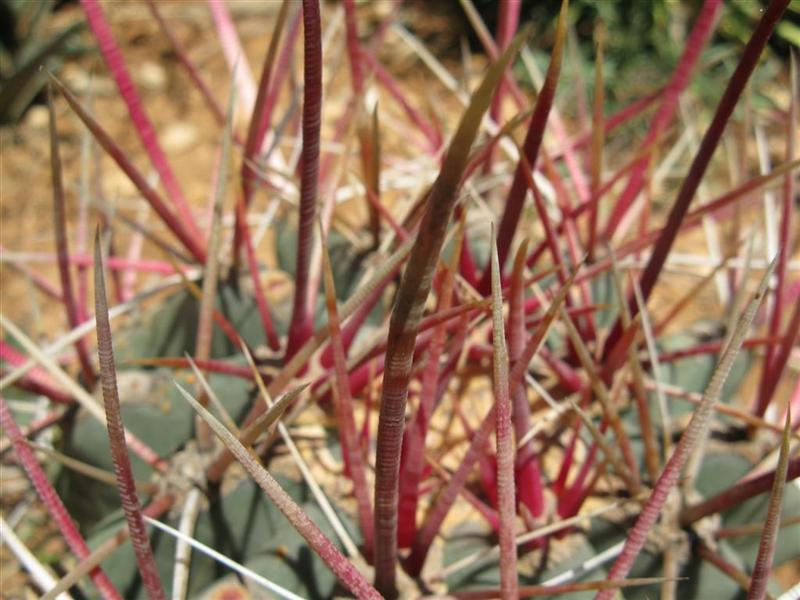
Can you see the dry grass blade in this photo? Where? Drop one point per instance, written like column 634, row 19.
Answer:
column 343, row 405
column 144, row 128
column 406, row 315
column 506, row 498
column 260, row 110
column 116, row 436
column 711, row 139
column 183, row 548
column 325, row 549
column 531, row 146
column 96, row 473
column 211, row 269
column 189, row 241
column 769, row 534
column 302, row 466
column 60, row 228
column 693, row 433
column 212, row 396
column 41, row 575
column 626, row 469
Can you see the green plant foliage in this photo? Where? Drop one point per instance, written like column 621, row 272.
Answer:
column 642, row 46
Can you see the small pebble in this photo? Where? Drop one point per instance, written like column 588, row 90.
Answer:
column 37, row 117
column 151, row 76
column 179, row 137
column 77, row 79
column 117, row 184
column 80, row 81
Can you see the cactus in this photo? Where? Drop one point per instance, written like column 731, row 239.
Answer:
column 409, row 411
